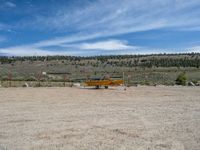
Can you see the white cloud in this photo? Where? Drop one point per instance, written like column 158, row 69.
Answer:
column 106, row 45
column 33, row 51
column 70, row 49
column 65, row 40
column 109, row 18
column 118, row 15
column 105, row 18
column 88, row 36
column 87, row 49
column 195, row 49
column 21, row 50
column 10, row 4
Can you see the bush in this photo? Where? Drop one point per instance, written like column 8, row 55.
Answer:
column 195, row 82
column 38, row 84
column 181, row 79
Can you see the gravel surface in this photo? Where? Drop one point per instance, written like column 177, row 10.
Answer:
column 140, row 118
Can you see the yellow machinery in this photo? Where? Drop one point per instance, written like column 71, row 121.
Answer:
column 103, row 82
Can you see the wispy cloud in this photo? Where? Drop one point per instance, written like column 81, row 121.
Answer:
column 121, row 15
column 109, row 18
column 34, row 51
column 107, row 45
column 104, row 19
column 88, row 49
column 10, row 4
column 70, row 49
column 23, row 51
column 195, row 49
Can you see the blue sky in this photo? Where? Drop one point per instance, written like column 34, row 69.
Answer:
column 98, row 27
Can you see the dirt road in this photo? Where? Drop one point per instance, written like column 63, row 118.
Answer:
column 140, row 118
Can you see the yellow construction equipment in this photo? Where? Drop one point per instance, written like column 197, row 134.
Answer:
column 97, row 82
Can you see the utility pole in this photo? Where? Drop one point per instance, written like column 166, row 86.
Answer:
column 123, row 79
column 10, row 79
column 124, row 82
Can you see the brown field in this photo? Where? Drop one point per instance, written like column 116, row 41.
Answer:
column 141, row 118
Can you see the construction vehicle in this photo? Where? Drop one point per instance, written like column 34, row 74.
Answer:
column 98, row 82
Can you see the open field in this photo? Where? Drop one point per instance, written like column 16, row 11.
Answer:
column 144, row 118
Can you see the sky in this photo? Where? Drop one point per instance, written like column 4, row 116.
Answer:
column 98, row 27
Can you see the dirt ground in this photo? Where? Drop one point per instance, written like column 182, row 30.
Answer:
column 140, row 118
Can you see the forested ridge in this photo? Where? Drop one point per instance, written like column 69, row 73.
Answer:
column 153, row 60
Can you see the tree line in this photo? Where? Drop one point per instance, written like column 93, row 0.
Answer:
column 151, row 60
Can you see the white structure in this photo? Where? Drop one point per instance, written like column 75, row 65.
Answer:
column 44, row 73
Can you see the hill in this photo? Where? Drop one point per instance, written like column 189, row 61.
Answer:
column 139, row 69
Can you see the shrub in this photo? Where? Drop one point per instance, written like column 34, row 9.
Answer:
column 195, row 82
column 181, row 79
